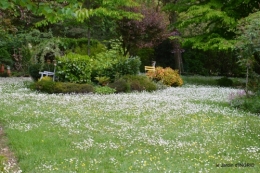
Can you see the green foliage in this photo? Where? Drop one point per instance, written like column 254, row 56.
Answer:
column 80, row 46
column 44, row 85
column 104, row 90
column 111, row 9
column 225, row 82
column 47, row 49
column 166, row 75
column 245, row 101
column 113, row 64
column 74, row 68
column 5, row 74
column 48, row 86
column 120, row 85
column 61, row 87
column 140, row 83
column 103, row 80
column 128, row 83
column 5, row 57
column 146, row 56
column 248, row 49
column 34, row 70
column 210, row 25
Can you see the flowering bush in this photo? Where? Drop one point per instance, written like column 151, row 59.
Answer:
column 167, row 76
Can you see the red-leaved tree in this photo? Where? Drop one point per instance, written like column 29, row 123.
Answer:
column 147, row 32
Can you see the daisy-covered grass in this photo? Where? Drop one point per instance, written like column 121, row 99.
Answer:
column 186, row 129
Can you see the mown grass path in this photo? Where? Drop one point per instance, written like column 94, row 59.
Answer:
column 186, row 129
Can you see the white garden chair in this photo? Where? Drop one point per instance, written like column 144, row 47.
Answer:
column 49, row 73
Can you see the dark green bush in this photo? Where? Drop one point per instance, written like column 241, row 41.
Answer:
column 225, row 82
column 120, row 85
column 252, row 104
column 45, row 85
column 48, row 86
column 146, row 56
column 140, row 83
column 34, row 71
column 73, row 88
column 249, row 103
column 5, row 57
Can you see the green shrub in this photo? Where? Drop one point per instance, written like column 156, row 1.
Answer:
column 34, row 70
column 61, row 87
column 5, row 74
column 252, row 104
column 249, row 102
column 225, row 82
column 5, row 57
column 44, row 85
column 120, row 85
column 50, row 87
column 74, row 68
column 139, row 83
column 146, row 56
column 166, row 75
column 103, row 80
column 129, row 66
column 104, row 90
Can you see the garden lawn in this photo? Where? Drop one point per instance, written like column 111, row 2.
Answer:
column 185, row 129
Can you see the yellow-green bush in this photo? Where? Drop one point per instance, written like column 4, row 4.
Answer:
column 167, row 76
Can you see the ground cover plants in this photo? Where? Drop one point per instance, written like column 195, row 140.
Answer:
column 184, row 129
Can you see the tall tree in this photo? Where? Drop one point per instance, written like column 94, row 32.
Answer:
column 248, row 46
column 210, row 24
column 53, row 11
column 147, row 32
column 110, row 8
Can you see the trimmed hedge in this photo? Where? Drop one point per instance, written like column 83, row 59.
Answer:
column 48, row 86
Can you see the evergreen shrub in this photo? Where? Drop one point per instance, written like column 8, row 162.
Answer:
column 225, row 82
column 120, row 85
column 140, row 83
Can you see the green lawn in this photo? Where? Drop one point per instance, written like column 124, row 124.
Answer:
column 186, row 129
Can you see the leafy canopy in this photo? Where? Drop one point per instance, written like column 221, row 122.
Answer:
column 53, row 11
column 210, row 24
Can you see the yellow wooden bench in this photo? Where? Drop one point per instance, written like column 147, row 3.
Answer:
column 149, row 68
